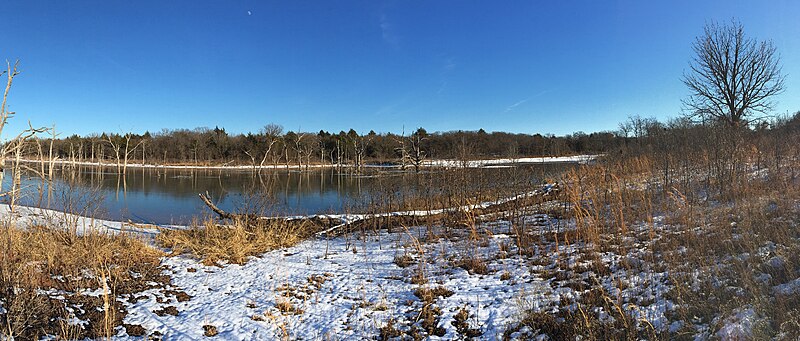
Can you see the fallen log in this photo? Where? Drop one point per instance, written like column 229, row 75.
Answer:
column 222, row 214
column 335, row 223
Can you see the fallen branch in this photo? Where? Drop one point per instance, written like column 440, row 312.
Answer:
column 347, row 220
column 222, row 214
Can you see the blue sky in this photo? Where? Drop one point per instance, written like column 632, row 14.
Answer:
column 519, row 66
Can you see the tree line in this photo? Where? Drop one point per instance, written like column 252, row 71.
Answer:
column 271, row 145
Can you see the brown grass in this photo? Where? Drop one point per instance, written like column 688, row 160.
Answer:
column 728, row 214
column 39, row 259
column 213, row 242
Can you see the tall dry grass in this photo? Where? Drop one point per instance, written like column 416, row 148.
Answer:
column 715, row 209
column 212, row 241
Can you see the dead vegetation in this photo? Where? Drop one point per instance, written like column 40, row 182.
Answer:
column 712, row 208
column 51, row 278
column 213, row 242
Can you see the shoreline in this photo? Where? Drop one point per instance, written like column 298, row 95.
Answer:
column 441, row 163
column 38, row 215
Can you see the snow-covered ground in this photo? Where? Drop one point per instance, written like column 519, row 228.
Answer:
column 24, row 216
column 348, row 287
column 351, row 286
column 511, row 161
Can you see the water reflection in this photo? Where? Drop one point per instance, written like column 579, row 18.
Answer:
column 169, row 196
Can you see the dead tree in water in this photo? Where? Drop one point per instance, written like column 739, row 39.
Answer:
column 16, row 147
column 411, row 149
column 52, row 159
column 337, row 223
column 122, row 160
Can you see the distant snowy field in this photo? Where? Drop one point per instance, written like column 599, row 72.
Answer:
column 511, row 161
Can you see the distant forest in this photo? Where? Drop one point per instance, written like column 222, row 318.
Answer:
column 271, row 145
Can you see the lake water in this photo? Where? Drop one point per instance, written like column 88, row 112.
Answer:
column 170, row 196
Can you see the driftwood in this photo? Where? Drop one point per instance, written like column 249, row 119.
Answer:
column 222, row 214
column 333, row 223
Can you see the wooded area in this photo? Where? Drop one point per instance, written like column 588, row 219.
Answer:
column 272, row 146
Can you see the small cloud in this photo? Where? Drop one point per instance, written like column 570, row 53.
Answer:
column 511, row 107
column 387, row 31
column 515, row 105
column 448, row 66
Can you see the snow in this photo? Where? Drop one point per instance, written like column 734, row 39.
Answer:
column 739, row 326
column 349, row 286
column 360, row 292
column 24, row 216
column 506, row 161
column 788, row 289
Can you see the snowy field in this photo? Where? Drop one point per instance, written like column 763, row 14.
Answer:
column 350, row 287
column 440, row 283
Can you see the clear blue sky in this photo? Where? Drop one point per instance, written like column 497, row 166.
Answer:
column 518, row 66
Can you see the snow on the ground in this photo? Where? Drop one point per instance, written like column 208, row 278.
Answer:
column 508, row 161
column 739, row 326
column 348, row 287
column 342, row 294
column 24, row 216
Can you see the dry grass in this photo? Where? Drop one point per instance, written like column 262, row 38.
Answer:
column 39, row 259
column 213, row 242
column 723, row 225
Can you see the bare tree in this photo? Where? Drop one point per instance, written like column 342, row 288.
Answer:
column 10, row 73
column 273, row 134
column 13, row 146
column 413, row 151
column 733, row 77
column 122, row 160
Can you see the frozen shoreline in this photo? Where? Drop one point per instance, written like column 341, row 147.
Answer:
column 580, row 159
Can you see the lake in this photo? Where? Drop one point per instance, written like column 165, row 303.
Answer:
column 170, row 196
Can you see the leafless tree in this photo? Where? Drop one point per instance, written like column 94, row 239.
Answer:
column 10, row 73
column 413, row 149
column 360, row 144
column 733, row 77
column 272, row 132
column 13, row 146
column 122, row 160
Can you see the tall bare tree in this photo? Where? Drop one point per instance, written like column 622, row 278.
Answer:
column 272, row 132
column 733, row 77
column 10, row 73
column 13, row 146
column 116, row 145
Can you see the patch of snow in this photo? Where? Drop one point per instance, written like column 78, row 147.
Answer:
column 739, row 326
column 787, row 289
column 582, row 159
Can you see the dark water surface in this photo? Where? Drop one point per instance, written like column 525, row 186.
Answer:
column 170, row 196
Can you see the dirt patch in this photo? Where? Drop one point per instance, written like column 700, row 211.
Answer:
column 168, row 310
